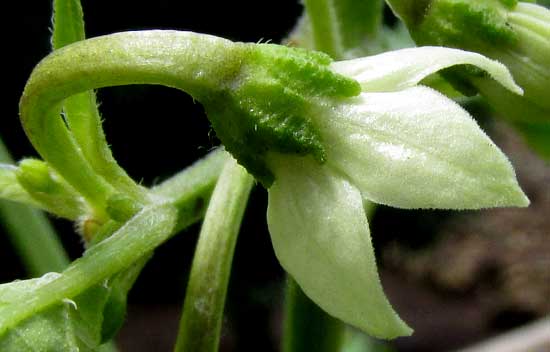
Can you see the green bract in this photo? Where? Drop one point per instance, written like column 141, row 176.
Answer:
column 397, row 144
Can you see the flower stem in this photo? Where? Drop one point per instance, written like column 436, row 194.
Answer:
column 326, row 35
column 201, row 319
column 306, row 326
column 190, row 190
column 342, row 25
column 81, row 112
column 31, row 234
column 197, row 64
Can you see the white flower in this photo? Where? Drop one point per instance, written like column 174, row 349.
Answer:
column 397, row 143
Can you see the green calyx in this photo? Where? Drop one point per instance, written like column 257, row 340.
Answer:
column 466, row 24
column 266, row 107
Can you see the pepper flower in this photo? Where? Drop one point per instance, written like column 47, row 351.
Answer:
column 397, row 143
column 321, row 136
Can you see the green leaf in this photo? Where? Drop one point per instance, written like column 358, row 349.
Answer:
column 72, row 325
column 321, row 237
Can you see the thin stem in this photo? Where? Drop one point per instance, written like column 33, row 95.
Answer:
column 198, row 64
column 129, row 243
column 201, row 320
column 342, row 25
column 326, row 35
column 306, row 326
column 147, row 230
column 81, row 112
column 31, row 234
column 190, row 190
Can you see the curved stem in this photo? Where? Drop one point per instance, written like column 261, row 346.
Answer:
column 201, row 320
column 198, row 64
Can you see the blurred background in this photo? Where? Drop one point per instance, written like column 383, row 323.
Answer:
column 456, row 277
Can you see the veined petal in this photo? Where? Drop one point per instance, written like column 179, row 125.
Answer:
column 399, row 69
column 417, row 149
column 321, row 237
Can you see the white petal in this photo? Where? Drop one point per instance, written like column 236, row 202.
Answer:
column 399, row 69
column 417, row 149
column 321, row 237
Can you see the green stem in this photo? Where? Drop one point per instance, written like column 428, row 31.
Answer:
column 342, row 25
column 31, row 234
column 326, row 35
column 81, row 112
column 197, row 64
column 190, row 190
column 143, row 233
column 201, row 320
column 129, row 243
column 409, row 11
column 306, row 326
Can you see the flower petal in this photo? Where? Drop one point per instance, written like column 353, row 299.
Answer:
column 321, row 237
column 417, row 149
column 399, row 69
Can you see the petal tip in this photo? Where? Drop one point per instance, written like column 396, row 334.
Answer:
column 396, row 328
column 522, row 201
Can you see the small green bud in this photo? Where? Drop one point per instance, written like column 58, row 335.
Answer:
column 514, row 33
column 49, row 189
column 265, row 108
column 35, row 174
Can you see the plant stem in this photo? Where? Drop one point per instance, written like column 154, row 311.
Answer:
column 143, row 233
column 306, row 326
column 81, row 112
column 190, row 190
column 326, row 35
column 201, row 319
column 198, row 64
column 138, row 237
column 342, row 25
column 31, row 234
